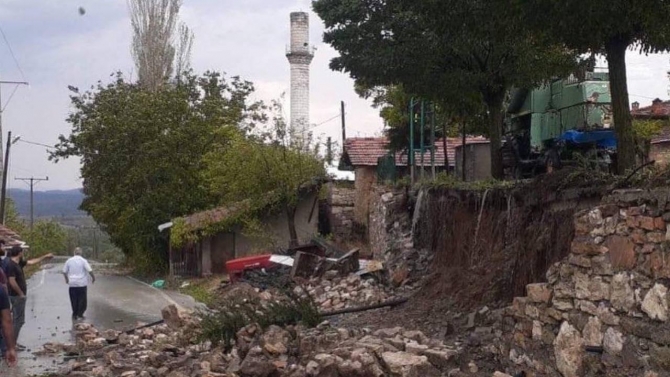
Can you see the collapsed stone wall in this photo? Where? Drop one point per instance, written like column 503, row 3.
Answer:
column 604, row 308
column 487, row 245
column 390, row 235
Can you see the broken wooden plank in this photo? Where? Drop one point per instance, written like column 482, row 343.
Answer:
column 391, row 303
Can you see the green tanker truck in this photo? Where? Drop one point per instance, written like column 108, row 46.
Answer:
column 568, row 121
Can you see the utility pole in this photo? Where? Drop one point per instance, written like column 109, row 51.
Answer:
column 3, row 193
column 2, row 109
column 31, row 181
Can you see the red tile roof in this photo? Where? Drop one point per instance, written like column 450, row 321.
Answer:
column 10, row 237
column 365, row 151
column 657, row 110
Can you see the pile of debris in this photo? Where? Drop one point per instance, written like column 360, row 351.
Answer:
column 345, row 292
column 171, row 349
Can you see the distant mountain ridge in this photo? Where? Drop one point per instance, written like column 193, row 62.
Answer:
column 50, row 203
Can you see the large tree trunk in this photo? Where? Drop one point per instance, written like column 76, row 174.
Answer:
column 293, row 234
column 494, row 102
column 623, row 125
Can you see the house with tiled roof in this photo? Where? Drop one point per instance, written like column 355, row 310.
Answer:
column 11, row 238
column 201, row 243
column 659, row 148
column 370, row 159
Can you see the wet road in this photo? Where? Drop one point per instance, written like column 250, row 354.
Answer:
column 117, row 302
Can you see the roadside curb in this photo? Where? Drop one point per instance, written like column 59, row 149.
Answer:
column 163, row 294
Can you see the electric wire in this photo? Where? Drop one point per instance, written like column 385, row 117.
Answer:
column 36, row 143
column 11, row 52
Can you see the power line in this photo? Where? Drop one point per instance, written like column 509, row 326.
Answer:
column 36, row 143
column 326, row 121
column 637, row 95
column 16, row 61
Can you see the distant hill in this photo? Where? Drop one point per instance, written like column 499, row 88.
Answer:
column 52, row 203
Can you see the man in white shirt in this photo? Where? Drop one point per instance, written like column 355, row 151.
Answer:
column 76, row 272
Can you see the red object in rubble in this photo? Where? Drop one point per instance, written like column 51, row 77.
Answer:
column 236, row 267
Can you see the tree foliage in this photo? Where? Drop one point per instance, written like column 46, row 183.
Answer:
column 161, row 45
column 442, row 50
column 142, row 151
column 47, row 236
column 273, row 164
column 450, row 121
column 608, row 27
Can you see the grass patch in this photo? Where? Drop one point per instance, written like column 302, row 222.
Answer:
column 222, row 325
column 200, row 292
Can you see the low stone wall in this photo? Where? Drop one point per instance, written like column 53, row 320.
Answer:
column 604, row 309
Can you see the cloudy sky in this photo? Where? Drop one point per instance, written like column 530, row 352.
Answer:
column 56, row 47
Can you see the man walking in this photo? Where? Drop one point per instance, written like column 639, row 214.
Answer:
column 18, row 288
column 76, row 271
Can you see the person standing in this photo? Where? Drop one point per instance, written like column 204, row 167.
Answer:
column 76, row 272
column 7, row 328
column 18, row 288
column 3, row 286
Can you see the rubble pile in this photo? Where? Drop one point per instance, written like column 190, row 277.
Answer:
column 167, row 349
column 345, row 292
column 171, row 350
column 604, row 310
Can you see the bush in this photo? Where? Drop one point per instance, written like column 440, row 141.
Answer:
column 222, row 325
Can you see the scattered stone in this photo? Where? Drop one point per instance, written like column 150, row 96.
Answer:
column 655, row 303
column 403, row 364
column 568, row 350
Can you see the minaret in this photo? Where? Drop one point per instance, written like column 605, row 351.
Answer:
column 300, row 55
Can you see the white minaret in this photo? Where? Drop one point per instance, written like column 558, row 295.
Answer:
column 300, row 55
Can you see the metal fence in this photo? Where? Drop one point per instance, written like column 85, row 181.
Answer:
column 186, row 261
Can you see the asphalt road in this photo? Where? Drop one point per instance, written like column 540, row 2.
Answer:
column 117, row 302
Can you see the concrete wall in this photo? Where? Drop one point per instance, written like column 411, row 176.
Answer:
column 477, row 161
column 222, row 247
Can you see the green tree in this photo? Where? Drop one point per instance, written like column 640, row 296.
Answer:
column 608, row 27
column 47, row 236
column 442, row 50
column 459, row 117
column 142, row 151
column 271, row 165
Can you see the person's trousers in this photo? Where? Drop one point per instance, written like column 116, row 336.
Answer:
column 78, row 301
column 18, row 313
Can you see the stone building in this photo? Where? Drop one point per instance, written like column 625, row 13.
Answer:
column 364, row 155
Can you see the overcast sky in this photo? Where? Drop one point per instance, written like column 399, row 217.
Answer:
column 56, row 47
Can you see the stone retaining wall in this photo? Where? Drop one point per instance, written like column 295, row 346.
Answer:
column 604, row 309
